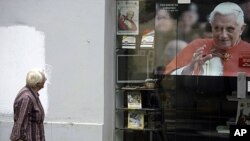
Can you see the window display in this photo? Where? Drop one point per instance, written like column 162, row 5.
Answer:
column 194, row 52
column 132, row 68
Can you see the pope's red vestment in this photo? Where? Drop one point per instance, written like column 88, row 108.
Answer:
column 230, row 60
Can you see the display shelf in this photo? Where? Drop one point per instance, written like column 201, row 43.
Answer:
column 138, row 88
column 142, row 109
column 234, row 98
column 201, row 133
column 149, row 105
column 144, row 129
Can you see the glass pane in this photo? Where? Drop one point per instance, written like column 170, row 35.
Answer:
column 185, row 65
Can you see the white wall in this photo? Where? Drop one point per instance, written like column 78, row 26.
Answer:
column 75, row 48
column 22, row 48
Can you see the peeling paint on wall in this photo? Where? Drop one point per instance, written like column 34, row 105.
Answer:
column 21, row 48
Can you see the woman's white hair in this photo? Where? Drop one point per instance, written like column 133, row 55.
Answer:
column 226, row 8
column 35, row 76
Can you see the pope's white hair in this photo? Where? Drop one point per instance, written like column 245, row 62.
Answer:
column 227, row 8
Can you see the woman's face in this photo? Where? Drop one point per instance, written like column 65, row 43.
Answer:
column 226, row 32
column 163, row 21
column 189, row 18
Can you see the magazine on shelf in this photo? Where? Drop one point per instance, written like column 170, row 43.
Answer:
column 134, row 100
column 147, row 40
column 127, row 17
column 135, row 120
column 223, row 129
column 243, row 112
column 128, row 42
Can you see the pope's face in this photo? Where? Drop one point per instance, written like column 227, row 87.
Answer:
column 226, row 32
column 130, row 15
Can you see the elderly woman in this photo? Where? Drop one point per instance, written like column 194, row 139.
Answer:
column 219, row 55
column 28, row 110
